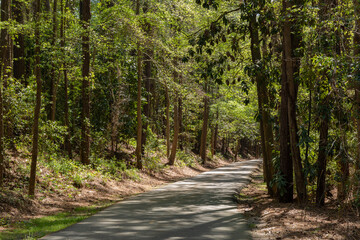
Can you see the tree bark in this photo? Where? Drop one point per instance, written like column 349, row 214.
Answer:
column 291, row 42
column 167, row 133
column 176, row 134
column 321, row 162
column 35, row 139
column 54, row 82
column 19, row 46
column 147, row 61
column 212, row 142
column 263, row 102
column 85, row 16
column 286, row 164
column 324, row 105
column 67, row 143
column 204, row 126
column 357, row 96
column 4, row 44
column 138, row 112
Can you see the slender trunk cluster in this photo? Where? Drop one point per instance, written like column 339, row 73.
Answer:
column 291, row 66
column 263, row 102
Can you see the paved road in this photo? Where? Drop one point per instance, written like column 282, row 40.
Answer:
column 201, row 207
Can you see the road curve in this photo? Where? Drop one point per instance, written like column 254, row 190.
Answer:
column 201, row 207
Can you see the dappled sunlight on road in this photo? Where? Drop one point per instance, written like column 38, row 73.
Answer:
column 198, row 208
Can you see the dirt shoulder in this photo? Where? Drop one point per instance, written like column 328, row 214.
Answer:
column 270, row 219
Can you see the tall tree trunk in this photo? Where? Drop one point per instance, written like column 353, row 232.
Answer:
column 67, row 143
column 263, row 102
column 176, row 134
column 19, row 46
column 321, row 161
column 291, row 41
column 54, row 77
column 85, row 16
column 357, row 97
column 212, row 142
column 4, row 44
column 180, row 107
column 216, row 132
column 147, row 61
column 176, row 121
column 343, row 163
column 286, row 164
column 139, row 121
column 35, row 139
column 204, row 126
column 324, row 105
column 167, row 133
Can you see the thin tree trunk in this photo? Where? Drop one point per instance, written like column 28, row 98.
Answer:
column 325, row 115
column 212, row 142
column 204, row 126
column 67, row 143
column 216, row 131
column 180, row 107
column 291, row 41
column 139, row 121
column 265, row 127
column 4, row 44
column 286, row 164
column 176, row 122
column 357, row 96
column 85, row 16
column 167, row 121
column 237, row 148
column 306, row 161
column 35, row 139
column 321, row 162
column 343, row 163
column 176, row 134
column 19, row 46
column 54, row 83
column 147, row 108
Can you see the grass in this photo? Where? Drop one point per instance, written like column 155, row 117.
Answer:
column 39, row 227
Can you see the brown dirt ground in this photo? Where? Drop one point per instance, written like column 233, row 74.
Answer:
column 269, row 219
column 16, row 206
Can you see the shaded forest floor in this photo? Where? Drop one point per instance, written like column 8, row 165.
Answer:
column 57, row 192
column 269, row 219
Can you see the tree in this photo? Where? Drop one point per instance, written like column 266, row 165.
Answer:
column 4, row 74
column 291, row 59
column 85, row 16
column 67, row 143
column 138, row 112
column 203, row 141
column 263, row 103
column 357, row 96
column 54, row 81
column 35, row 139
column 19, row 46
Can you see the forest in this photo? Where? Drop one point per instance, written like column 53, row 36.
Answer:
column 119, row 87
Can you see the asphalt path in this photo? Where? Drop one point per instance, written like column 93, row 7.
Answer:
column 201, row 207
